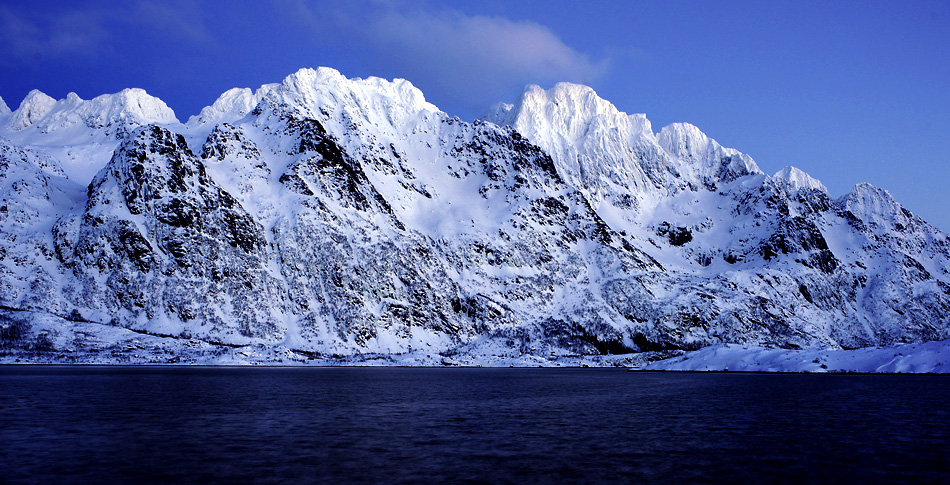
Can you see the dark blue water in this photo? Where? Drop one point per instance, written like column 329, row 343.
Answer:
column 199, row 425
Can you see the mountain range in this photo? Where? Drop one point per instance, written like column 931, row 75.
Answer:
column 326, row 219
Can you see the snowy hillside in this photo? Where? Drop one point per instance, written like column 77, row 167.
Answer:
column 335, row 218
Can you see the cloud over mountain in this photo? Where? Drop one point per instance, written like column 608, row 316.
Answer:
column 474, row 59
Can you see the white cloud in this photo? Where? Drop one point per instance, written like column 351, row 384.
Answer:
column 469, row 60
column 460, row 47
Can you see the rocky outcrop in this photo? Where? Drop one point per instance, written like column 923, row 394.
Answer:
column 160, row 245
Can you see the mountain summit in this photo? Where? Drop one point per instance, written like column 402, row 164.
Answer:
column 332, row 219
column 127, row 108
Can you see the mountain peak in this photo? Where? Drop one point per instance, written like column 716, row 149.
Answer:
column 866, row 191
column 705, row 157
column 34, row 107
column 873, row 204
column 232, row 105
column 313, row 93
column 4, row 109
column 566, row 92
column 571, row 109
column 878, row 209
column 324, row 94
column 566, row 115
column 685, row 141
column 308, row 89
column 132, row 106
column 129, row 107
column 798, row 179
column 309, row 76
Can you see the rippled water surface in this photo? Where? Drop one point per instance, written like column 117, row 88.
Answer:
column 405, row 425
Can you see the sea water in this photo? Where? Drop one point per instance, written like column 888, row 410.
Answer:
column 427, row 425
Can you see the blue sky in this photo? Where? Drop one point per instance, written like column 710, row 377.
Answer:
column 847, row 91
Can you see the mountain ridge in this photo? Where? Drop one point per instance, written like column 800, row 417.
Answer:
column 334, row 216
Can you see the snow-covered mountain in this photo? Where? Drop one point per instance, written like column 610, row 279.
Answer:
column 325, row 216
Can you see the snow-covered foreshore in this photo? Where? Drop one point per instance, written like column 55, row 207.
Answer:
column 50, row 341
column 928, row 357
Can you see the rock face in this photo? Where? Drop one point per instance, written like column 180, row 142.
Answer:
column 340, row 216
column 160, row 242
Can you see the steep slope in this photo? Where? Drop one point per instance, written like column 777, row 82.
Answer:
column 34, row 195
column 160, row 246
column 422, row 227
column 773, row 255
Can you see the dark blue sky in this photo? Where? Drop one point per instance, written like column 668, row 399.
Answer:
column 847, row 91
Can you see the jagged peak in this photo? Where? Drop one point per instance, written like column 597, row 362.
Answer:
column 569, row 120
column 308, row 76
column 232, row 105
column 566, row 92
column 307, row 90
column 700, row 152
column 4, row 109
column 132, row 106
column 34, row 107
column 797, row 179
column 873, row 204
column 570, row 110
column 498, row 113
column 685, row 140
column 865, row 190
column 316, row 93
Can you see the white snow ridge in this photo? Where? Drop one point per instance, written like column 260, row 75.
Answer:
column 327, row 220
column 798, row 180
column 34, row 107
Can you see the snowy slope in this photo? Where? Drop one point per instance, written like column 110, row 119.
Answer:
column 342, row 217
column 780, row 240
column 35, row 195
